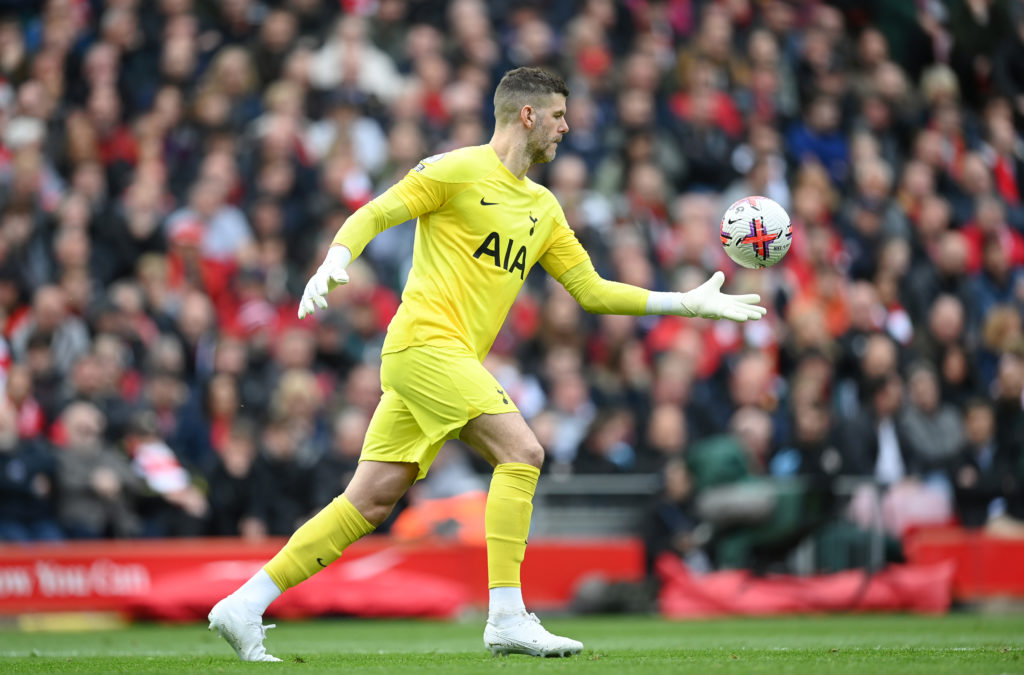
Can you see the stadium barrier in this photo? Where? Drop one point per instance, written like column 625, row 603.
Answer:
column 987, row 566
column 913, row 588
column 378, row 576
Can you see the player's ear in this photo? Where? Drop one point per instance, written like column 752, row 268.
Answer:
column 527, row 115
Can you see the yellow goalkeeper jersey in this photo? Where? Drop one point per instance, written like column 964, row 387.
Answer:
column 480, row 231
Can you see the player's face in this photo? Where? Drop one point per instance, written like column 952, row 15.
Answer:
column 547, row 131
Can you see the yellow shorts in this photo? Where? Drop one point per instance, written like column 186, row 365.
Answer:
column 429, row 395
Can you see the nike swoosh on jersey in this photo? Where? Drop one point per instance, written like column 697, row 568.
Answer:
column 484, row 202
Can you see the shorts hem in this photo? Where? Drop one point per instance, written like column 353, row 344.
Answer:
column 416, row 458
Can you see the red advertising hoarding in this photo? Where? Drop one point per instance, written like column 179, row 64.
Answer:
column 181, row 579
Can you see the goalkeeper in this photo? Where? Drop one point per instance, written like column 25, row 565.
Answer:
column 482, row 225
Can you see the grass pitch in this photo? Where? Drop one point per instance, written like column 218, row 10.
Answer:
column 614, row 646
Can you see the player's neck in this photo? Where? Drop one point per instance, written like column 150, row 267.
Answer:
column 512, row 153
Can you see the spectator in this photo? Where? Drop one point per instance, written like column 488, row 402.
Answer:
column 47, row 383
column 976, row 28
column 753, row 517
column 117, row 146
column 665, row 438
column 1001, row 333
column 68, row 335
column 196, row 330
column 334, row 470
column 298, row 402
column 1007, row 72
column 207, row 420
column 235, row 482
column 27, row 482
column 347, row 122
column 349, row 59
column 278, row 33
column 945, row 273
column 29, row 415
column 105, row 378
column 362, row 388
column 608, row 445
column 176, row 507
column 704, row 142
column 752, row 382
column 1008, row 394
column 135, row 228
column 636, row 110
column 812, row 453
column 96, row 487
column 285, row 497
column 947, row 325
column 223, row 228
column 959, row 379
column 933, row 431
column 164, row 393
column 999, row 280
column 572, row 411
column 981, row 474
column 232, row 75
column 817, row 137
column 672, row 525
column 873, row 444
column 865, row 319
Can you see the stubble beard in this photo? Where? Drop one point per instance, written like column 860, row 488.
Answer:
column 539, row 153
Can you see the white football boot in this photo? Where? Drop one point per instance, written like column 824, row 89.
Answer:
column 521, row 633
column 242, row 628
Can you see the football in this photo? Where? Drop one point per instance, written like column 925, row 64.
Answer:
column 756, row 232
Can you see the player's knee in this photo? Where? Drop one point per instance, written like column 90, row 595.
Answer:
column 377, row 512
column 375, row 507
column 532, row 454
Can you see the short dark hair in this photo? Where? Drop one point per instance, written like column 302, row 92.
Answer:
column 523, row 86
column 974, row 402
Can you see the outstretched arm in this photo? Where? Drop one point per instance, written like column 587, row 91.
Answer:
column 566, row 260
column 600, row 296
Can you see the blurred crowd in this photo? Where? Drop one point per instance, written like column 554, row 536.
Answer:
column 171, row 172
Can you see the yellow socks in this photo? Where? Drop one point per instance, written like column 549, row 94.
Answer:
column 318, row 543
column 322, row 539
column 507, row 521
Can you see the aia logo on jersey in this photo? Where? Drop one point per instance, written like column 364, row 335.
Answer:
column 502, row 256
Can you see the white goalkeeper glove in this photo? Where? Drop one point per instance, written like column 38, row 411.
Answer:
column 707, row 301
column 327, row 277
